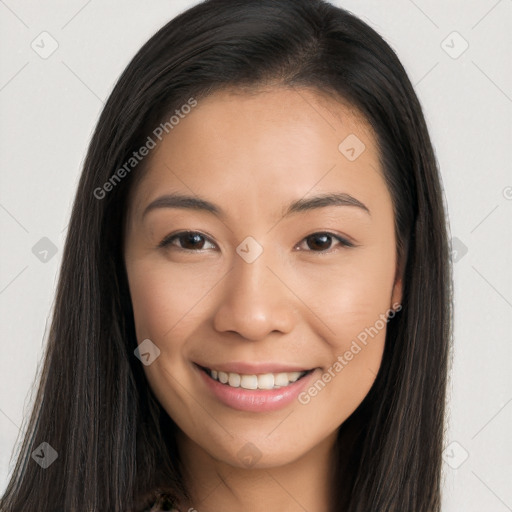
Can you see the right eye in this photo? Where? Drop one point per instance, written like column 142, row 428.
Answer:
column 186, row 241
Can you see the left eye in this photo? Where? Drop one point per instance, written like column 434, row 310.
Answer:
column 195, row 241
column 321, row 242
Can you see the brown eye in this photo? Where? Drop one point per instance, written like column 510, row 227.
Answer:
column 186, row 240
column 191, row 241
column 322, row 242
column 319, row 242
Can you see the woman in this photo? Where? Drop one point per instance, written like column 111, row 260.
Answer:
column 254, row 305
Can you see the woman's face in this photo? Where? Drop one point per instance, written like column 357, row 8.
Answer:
column 280, row 260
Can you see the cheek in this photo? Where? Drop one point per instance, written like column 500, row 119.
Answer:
column 351, row 295
column 166, row 301
column 352, row 299
column 353, row 308
column 166, row 305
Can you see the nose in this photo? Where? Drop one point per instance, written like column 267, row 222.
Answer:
column 255, row 301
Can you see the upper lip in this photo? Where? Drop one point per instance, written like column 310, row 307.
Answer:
column 245, row 368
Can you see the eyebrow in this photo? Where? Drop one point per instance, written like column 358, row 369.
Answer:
column 177, row 200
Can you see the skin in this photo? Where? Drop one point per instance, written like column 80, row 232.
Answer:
column 252, row 153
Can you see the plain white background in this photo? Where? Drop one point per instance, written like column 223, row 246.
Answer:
column 50, row 107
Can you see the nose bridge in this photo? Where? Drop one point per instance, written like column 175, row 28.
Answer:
column 255, row 302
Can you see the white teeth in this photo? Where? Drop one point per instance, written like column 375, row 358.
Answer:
column 266, row 381
column 262, row 381
column 293, row 376
column 249, row 382
column 234, row 380
column 281, row 379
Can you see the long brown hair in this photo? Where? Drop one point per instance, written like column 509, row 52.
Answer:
column 115, row 443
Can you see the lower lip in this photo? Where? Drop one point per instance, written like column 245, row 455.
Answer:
column 261, row 400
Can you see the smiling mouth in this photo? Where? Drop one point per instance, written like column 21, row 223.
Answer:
column 262, row 381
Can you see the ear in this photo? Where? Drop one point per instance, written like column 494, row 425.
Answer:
column 400, row 265
column 396, row 296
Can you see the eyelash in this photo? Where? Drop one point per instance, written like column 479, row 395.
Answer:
column 167, row 241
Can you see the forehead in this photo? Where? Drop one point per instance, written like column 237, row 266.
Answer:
column 262, row 148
